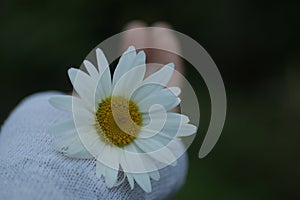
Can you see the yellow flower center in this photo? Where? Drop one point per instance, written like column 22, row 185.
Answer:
column 119, row 120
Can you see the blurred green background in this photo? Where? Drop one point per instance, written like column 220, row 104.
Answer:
column 255, row 44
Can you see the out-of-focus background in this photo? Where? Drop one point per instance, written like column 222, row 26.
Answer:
column 255, row 44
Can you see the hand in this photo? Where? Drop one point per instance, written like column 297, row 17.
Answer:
column 31, row 169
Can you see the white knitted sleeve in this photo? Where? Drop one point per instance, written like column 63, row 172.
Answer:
column 31, row 169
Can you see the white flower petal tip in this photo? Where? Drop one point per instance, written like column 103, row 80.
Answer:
column 143, row 181
column 171, row 65
column 130, row 49
column 72, row 72
column 155, row 175
column 130, row 181
column 95, row 132
column 162, row 76
column 128, row 61
column 111, row 177
column 62, row 102
column 91, row 69
column 186, row 130
column 101, row 61
column 175, row 90
column 67, row 140
column 140, row 58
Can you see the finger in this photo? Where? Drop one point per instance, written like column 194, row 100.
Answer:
column 135, row 35
column 165, row 40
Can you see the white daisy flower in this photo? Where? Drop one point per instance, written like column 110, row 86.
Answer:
column 122, row 121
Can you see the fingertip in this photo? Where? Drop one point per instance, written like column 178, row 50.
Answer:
column 134, row 24
column 162, row 24
column 135, row 35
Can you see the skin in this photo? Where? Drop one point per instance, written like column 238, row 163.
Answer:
column 161, row 38
column 156, row 58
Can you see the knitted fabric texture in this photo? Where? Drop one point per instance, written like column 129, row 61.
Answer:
column 31, row 169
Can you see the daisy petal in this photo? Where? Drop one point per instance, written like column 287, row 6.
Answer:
column 154, row 122
column 143, row 181
column 177, row 118
column 164, row 97
column 130, row 180
column 100, row 169
column 156, row 150
column 84, row 85
column 140, row 59
column 63, row 128
column 154, row 175
column 111, row 177
column 91, row 140
column 72, row 72
column 176, row 125
column 62, row 102
column 163, row 76
column 83, row 117
column 129, row 81
column 186, row 130
column 125, row 64
column 125, row 162
column 104, row 86
column 67, row 102
column 131, row 162
column 77, row 76
column 172, row 119
column 68, row 142
column 101, row 61
column 110, row 157
column 175, row 90
column 144, row 90
column 77, row 150
column 91, row 69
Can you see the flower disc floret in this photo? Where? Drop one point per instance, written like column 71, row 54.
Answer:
column 118, row 120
